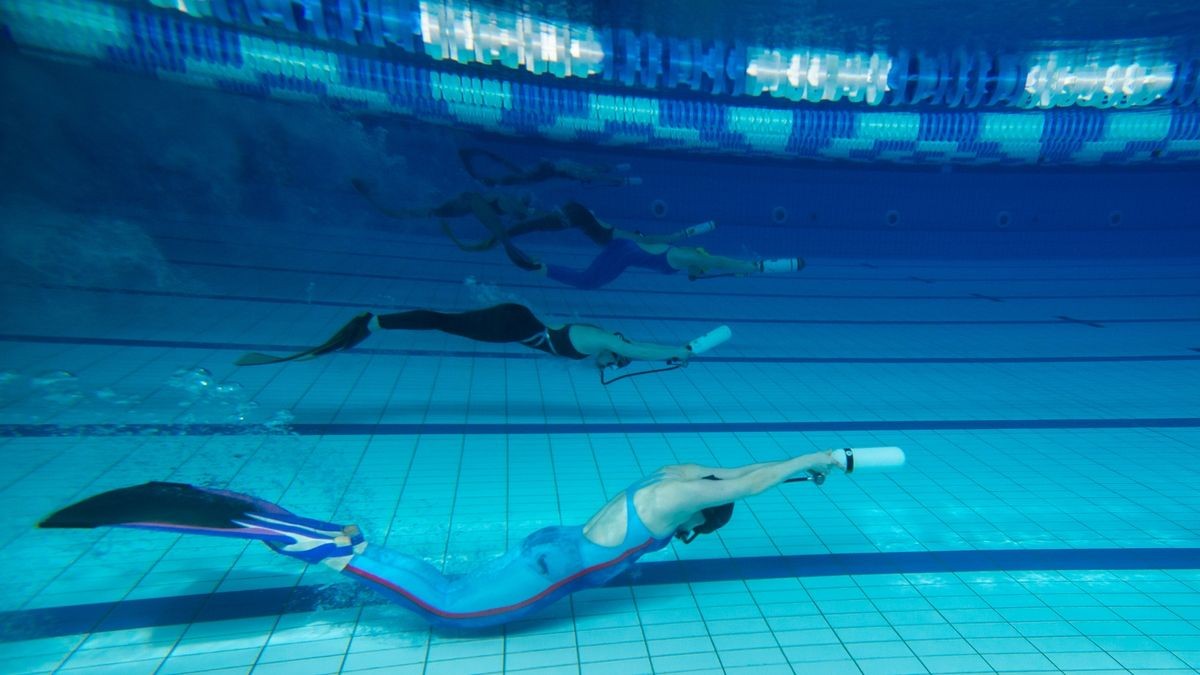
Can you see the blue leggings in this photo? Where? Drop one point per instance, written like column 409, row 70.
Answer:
column 547, row 565
column 612, row 261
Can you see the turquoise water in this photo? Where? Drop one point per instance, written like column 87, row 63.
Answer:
column 1027, row 335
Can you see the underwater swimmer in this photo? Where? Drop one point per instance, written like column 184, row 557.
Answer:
column 619, row 255
column 543, row 171
column 679, row 501
column 504, row 323
column 479, row 204
column 571, row 216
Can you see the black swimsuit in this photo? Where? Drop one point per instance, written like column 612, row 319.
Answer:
column 508, row 322
column 556, row 341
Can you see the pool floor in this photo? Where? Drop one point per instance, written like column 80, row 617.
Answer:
column 1048, row 519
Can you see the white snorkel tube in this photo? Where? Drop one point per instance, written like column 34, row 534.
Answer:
column 871, row 459
column 700, row 228
column 860, row 460
column 712, row 338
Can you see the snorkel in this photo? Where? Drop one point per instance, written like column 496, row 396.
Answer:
column 860, row 459
column 699, row 345
column 853, row 459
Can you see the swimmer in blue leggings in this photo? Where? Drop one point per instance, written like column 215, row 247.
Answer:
column 680, row 502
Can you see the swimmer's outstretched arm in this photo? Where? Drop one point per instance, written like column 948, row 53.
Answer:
column 697, row 471
column 592, row 340
column 691, row 495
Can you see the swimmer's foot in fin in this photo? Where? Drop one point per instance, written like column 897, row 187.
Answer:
column 179, row 507
column 581, row 217
column 351, row 334
column 521, row 259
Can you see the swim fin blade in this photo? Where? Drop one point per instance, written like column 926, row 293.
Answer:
column 187, row 509
column 347, row 337
column 158, row 505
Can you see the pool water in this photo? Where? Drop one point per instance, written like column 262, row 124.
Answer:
column 1026, row 333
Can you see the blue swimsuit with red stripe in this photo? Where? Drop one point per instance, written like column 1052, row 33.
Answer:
column 547, row 565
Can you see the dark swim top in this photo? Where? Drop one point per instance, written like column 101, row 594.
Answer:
column 555, row 341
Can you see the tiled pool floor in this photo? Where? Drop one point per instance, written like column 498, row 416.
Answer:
column 1048, row 410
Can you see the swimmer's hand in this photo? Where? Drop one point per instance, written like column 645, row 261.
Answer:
column 681, row 357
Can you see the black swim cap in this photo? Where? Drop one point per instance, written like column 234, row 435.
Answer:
column 715, row 517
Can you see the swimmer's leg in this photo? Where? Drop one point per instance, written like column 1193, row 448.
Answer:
column 188, row 509
column 508, row 322
column 549, row 222
column 604, row 269
column 487, row 215
column 581, row 218
column 530, row 576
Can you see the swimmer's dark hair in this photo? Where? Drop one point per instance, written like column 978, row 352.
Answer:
column 715, row 517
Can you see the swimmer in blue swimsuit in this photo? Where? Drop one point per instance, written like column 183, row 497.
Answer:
column 622, row 249
column 680, row 501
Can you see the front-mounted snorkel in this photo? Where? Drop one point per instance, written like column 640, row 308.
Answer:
column 852, row 459
column 869, row 459
column 705, row 342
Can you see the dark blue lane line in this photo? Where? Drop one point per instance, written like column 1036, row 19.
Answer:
column 550, row 428
column 49, row 622
column 485, row 261
column 480, row 261
column 801, row 296
column 522, row 355
column 650, row 291
column 377, row 306
column 1082, row 322
column 399, row 240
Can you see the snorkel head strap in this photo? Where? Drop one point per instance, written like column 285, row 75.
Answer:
column 715, row 517
column 619, row 361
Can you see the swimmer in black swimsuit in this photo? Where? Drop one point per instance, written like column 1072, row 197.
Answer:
column 544, row 170
column 504, row 323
